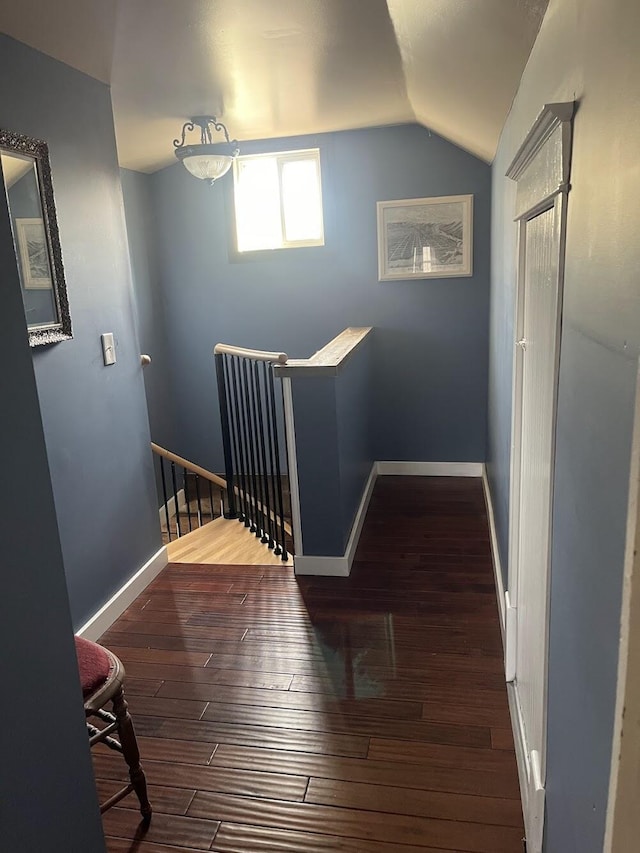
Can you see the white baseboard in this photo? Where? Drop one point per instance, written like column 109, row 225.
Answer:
column 118, row 603
column 431, row 469
column 171, row 506
column 495, row 553
column 532, row 792
column 340, row 566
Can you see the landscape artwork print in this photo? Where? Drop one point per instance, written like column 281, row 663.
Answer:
column 425, row 237
column 34, row 254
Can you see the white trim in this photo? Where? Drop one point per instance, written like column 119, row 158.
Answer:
column 431, row 469
column 340, row 566
column 495, row 553
column 531, row 794
column 532, row 762
column 551, row 117
column 171, row 506
column 624, row 783
column 104, row 618
column 292, row 464
column 330, row 567
column 510, row 638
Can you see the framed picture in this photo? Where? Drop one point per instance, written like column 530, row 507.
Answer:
column 425, row 237
column 34, row 254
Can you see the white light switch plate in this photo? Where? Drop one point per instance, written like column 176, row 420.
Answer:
column 108, row 348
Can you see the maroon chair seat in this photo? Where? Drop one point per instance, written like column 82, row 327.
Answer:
column 102, row 679
column 94, row 665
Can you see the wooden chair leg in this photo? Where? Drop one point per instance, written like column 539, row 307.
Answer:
column 131, row 753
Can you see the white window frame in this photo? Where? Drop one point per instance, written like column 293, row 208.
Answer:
column 281, row 158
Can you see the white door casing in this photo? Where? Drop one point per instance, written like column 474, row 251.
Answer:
column 541, row 169
column 623, row 816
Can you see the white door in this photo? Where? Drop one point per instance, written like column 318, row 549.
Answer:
column 539, row 276
column 541, row 201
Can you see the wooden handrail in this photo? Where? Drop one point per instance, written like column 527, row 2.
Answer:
column 207, row 475
column 329, row 360
column 190, row 466
column 255, row 354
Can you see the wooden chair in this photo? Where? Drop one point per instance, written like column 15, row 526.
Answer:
column 102, row 679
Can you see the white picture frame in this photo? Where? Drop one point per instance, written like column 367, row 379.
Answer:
column 425, row 238
column 34, row 253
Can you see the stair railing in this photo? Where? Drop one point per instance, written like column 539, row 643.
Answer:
column 182, row 487
column 253, row 455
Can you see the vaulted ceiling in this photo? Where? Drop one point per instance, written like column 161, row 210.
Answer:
column 272, row 68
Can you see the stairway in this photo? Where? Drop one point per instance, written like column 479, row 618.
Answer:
column 218, row 540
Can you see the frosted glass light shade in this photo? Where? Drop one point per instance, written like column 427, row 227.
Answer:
column 207, row 166
column 207, row 162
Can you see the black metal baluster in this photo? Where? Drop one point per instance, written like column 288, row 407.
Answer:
column 285, row 555
column 175, row 499
column 257, row 439
column 234, row 436
column 266, row 532
column 244, row 444
column 164, row 495
column 251, row 431
column 277, row 550
column 198, row 501
column 186, row 496
column 226, row 436
column 211, row 501
column 270, row 443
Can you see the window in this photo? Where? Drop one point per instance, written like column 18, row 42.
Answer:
column 278, row 200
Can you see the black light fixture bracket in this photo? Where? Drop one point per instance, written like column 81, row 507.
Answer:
column 206, row 144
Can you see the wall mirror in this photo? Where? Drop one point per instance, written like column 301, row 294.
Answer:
column 26, row 175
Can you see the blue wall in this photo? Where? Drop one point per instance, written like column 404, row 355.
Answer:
column 354, row 417
column 585, row 51
column 47, row 796
column 95, row 419
column 430, row 348
column 149, row 304
column 334, row 450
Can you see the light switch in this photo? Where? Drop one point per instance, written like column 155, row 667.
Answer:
column 108, row 348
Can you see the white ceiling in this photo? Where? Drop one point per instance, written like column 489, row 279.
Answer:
column 275, row 68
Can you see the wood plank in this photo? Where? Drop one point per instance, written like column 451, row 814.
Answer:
column 245, row 735
column 239, row 838
column 434, row 692
column 478, row 715
column 396, row 710
column 143, row 686
column 502, row 738
column 202, row 675
column 427, row 777
column 164, row 800
column 166, row 629
column 163, row 829
column 153, row 706
column 176, row 777
column 129, row 653
column 383, row 798
column 353, row 823
column 123, row 845
column 191, row 752
column 321, row 721
column 412, row 752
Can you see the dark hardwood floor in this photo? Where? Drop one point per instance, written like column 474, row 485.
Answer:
column 363, row 715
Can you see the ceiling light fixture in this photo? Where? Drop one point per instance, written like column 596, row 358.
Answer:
column 206, row 160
